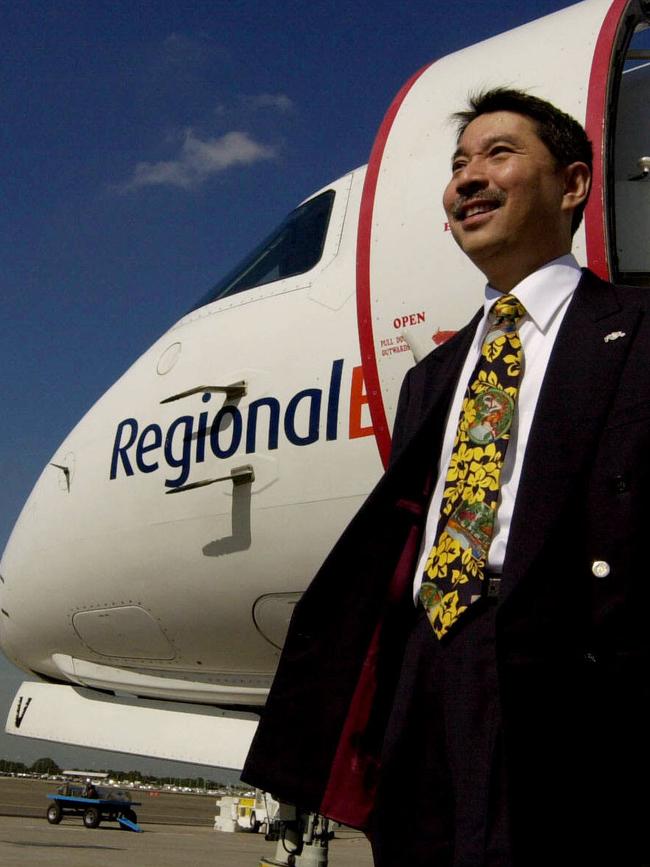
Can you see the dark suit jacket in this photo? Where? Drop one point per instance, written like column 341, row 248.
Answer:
column 572, row 646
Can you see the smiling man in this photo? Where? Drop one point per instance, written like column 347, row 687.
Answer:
column 466, row 678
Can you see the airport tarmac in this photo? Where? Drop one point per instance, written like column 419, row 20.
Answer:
column 28, row 839
column 34, row 842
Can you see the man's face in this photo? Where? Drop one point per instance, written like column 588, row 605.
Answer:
column 504, row 199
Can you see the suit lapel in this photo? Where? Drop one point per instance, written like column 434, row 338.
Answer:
column 441, row 376
column 577, row 392
column 432, row 391
column 441, row 379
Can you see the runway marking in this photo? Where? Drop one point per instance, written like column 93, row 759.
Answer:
column 59, row 845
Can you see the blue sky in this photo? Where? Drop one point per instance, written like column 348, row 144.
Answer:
column 146, row 147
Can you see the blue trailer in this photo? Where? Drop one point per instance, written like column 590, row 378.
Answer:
column 110, row 805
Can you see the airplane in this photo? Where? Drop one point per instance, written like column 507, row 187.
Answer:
column 149, row 580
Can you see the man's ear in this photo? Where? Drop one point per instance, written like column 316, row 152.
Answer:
column 577, row 182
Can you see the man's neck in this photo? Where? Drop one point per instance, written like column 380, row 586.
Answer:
column 508, row 275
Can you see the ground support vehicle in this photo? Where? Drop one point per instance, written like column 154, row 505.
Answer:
column 111, row 806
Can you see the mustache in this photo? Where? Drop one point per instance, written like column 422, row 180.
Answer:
column 460, row 203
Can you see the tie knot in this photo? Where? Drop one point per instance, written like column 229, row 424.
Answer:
column 508, row 307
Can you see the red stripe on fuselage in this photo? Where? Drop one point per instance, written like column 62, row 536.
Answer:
column 597, row 130
column 364, row 311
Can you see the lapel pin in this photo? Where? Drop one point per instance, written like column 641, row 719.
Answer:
column 614, row 335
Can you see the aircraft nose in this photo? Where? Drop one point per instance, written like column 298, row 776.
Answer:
column 14, row 638
column 31, row 565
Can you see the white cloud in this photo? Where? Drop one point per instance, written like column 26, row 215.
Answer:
column 200, row 159
column 278, row 101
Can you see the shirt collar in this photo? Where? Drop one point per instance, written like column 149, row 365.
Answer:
column 544, row 292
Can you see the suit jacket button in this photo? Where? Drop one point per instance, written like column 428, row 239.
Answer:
column 620, row 484
column 600, row 568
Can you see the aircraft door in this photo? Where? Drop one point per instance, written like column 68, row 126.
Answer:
column 414, row 286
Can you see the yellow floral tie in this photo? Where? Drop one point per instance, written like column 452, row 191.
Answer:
column 455, row 569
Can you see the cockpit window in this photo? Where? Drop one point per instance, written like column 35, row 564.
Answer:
column 293, row 248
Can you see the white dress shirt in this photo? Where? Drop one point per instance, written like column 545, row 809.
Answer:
column 545, row 294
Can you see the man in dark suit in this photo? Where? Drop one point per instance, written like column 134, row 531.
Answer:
column 517, row 732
